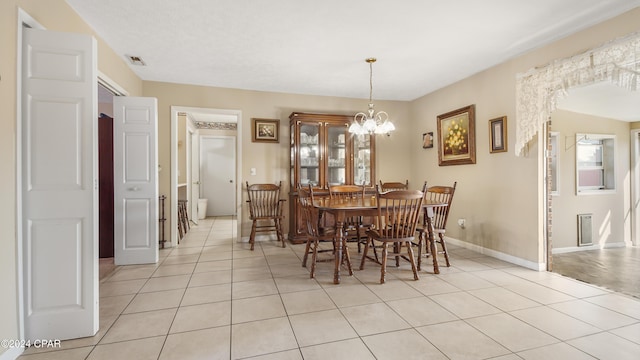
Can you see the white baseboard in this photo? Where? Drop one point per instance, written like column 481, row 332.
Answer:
column 588, row 247
column 498, row 255
column 12, row 353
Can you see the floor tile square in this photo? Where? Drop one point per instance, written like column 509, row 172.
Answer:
column 257, row 308
column 307, row 301
column 407, row 344
column 512, row 333
column 155, row 301
column 555, row 323
column 339, row 350
column 203, row 316
column 296, row 283
column 210, row 344
column 351, row 295
column 607, row 346
column 559, row 351
column 447, row 337
column 261, row 337
column 373, row 319
column 245, row 289
column 140, row 325
column 421, row 311
column 464, row 305
column 206, row 294
column 142, row 349
column 321, row 327
column 210, row 278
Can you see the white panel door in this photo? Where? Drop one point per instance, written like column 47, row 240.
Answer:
column 135, row 184
column 59, row 185
column 217, row 174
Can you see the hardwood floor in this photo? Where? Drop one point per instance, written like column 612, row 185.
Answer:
column 616, row 269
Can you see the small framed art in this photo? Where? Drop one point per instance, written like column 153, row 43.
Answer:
column 498, row 134
column 265, row 130
column 427, row 140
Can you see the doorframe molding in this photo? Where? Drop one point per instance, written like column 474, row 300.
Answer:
column 173, row 191
column 635, row 186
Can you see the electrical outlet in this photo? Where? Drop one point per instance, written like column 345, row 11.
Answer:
column 462, row 223
column 252, row 171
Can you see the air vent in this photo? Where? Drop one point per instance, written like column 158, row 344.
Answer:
column 136, row 60
column 585, row 229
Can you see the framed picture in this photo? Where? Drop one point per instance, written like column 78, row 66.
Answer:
column 265, row 130
column 457, row 137
column 427, row 140
column 498, row 134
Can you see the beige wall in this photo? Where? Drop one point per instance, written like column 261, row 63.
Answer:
column 54, row 15
column 272, row 160
column 499, row 195
column 611, row 223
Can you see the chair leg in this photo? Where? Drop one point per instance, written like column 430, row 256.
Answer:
column 397, row 247
column 314, row 259
column 346, row 257
column 364, row 254
column 383, row 267
column 444, row 250
column 279, row 232
column 413, row 262
column 252, row 237
column 306, row 253
column 420, row 245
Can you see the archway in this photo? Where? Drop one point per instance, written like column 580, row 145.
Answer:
column 539, row 90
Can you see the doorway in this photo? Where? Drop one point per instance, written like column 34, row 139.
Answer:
column 206, row 118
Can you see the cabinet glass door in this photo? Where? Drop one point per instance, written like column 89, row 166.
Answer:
column 336, row 155
column 309, row 155
column 362, row 160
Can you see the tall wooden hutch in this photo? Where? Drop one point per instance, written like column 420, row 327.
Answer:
column 323, row 152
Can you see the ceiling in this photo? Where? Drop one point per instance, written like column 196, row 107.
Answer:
column 319, row 48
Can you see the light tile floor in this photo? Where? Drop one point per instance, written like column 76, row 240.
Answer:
column 212, row 298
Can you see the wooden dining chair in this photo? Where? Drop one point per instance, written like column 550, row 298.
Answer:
column 398, row 215
column 265, row 210
column 354, row 228
column 394, row 185
column 317, row 235
column 442, row 194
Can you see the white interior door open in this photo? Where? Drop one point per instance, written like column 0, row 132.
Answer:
column 59, row 193
column 217, row 174
column 135, row 157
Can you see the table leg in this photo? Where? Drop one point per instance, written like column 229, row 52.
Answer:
column 339, row 246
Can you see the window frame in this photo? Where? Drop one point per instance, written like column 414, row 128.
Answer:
column 603, row 146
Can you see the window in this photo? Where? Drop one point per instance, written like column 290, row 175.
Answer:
column 595, row 163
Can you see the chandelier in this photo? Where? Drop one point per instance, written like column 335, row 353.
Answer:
column 371, row 122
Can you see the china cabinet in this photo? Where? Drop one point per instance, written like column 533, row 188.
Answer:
column 323, row 153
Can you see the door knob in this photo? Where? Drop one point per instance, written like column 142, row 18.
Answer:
column 231, row 181
column 135, row 188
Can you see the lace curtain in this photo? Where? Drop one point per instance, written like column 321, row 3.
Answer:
column 539, row 90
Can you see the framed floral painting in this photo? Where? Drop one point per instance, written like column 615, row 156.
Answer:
column 457, row 137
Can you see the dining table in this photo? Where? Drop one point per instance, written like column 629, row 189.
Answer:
column 342, row 209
